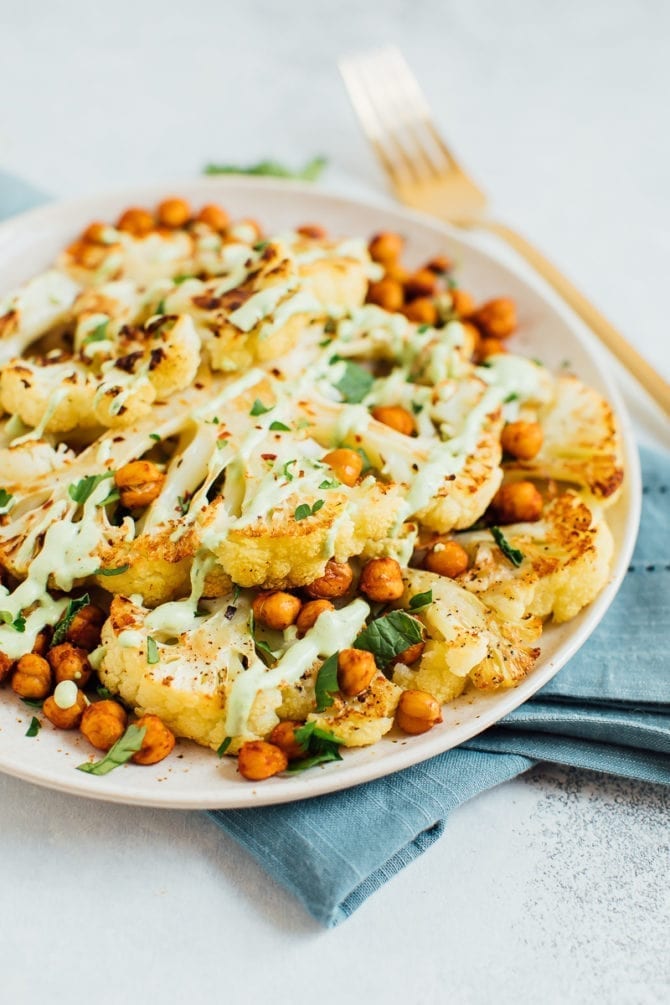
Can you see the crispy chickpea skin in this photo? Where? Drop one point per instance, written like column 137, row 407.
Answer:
column 462, row 302
column 417, row 712
column 283, row 736
column 310, row 613
column 173, row 212
column 85, row 627
column 496, row 318
column 68, row 662
column 356, row 669
column 136, row 221
column 32, row 677
column 346, row 465
column 522, row 440
column 439, row 264
column 95, row 233
column 104, row 723
column 422, row 283
column 276, row 609
column 139, row 482
column 335, row 581
column 396, row 417
column 381, row 580
column 489, row 347
column 258, row 760
column 6, row 666
column 518, row 502
column 64, row 718
column 214, row 216
column 312, row 230
column 446, row 558
column 386, row 293
column 410, row 655
column 422, row 311
column 158, row 740
column 386, row 247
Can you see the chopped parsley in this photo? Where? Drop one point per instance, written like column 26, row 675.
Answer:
column 99, row 333
column 5, row 498
column 420, row 600
column 80, row 491
column 120, row 753
column 513, row 554
column 18, row 623
column 326, row 683
column 152, row 651
column 389, row 636
column 260, row 246
column 278, row 426
column 310, row 172
column 34, row 727
column 118, row 571
column 258, row 408
column 103, row 692
column 326, row 484
column 63, row 626
column 319, row 745
column 511, row 397
column 287, row 474
column 223, row 747
column 355, row 383
column 304, row 509
column 155, row 436
column 178, row 280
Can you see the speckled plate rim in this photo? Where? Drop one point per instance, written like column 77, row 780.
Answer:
column 194, row 778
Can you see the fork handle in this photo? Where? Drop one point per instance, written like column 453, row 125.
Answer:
column 645, row 374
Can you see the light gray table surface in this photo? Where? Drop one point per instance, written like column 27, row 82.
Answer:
column 552, row 888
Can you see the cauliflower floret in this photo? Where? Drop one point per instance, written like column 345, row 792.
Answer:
column 121, row 255
column 431, row 674
column 363, row 720
column 34, row 309
column 566, row 562
column 174, row 357
column 49, row 394
column 21, row 462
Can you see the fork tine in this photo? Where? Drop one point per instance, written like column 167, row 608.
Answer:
column 367, row 116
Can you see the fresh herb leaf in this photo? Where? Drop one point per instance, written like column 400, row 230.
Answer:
column 80, row 491
column 224, row 746
column 330, row 326
column 511, row 397
column 260, row 245
column 389, row 636
column 319, row 504
column 122, row 751
column 18, row 623
column 63, row 626
column 416, row 407
column 184, row 504
column 287, row 474
column 118, row 571
column 304, row 509
column 513, row 554
column 326, row 683
column 326, row 484
column 258, row 408
column 310, row 172
column 155, row 436
column 34, row 727
column 103, row 692
column 319, row 745
column 113, row 496
column 152, row 651
column 33, row 702
column 420, row 600
column 236, row 592
column 279, row 426
column 178, row 280
column 367, row 463
column 160, row 307
column 99, row 334
column 422, row 329
column 5, row 498
column 355, row 383
column 265, row 652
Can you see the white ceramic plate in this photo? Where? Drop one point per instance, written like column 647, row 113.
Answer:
column 193, row 777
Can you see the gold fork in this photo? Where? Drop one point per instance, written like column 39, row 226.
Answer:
column 424, row 174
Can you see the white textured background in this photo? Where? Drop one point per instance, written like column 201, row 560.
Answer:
column 553, row 888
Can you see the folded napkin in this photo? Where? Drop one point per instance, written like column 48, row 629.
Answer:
column 607, row 710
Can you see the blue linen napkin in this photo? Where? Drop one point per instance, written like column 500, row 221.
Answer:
column 607, row 710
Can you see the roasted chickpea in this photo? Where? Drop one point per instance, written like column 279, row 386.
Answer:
column 335, row 581
column 397, row 272
column 85, row 627
column 173, row 212
column 104, row 723
column 422, row 283
column 41, row 643
column 258, row 760
column 447, row 558
column 214, row 216
column 346, row 465
column 422, row 311
column 381, row 580
column 140, row 482
column 417, row 712
column 410, row 655
column 496, row 318
column 158, row 740
column 386, row 293
column 396, row 417
column 70, row 663
column 32, row 677
column 283, row 736
column 87, row 254
column 356, row 669
column 310, row 613
column 522, row 440
column 6, row 667
column 276, row 609
column 312, row 230
column 386, row 247
column 136, row 221
column 462, row 302
column 439, row 264
column 68, row 717
column 96, row 233
column 517, row 502
column 489, row 347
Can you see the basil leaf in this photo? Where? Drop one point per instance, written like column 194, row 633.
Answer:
column 326, row 683
column 319, row 745
column 118, row 571
column 224, row 746
column 18, row 623
column 63, row 626
column 389, row 636
column 279, row 426
column 80, row 491
column 152, row 651
column 122, row 751
column 420, row 600
column 355, row 383
column 302, row 511
column 318, row 505
column 310, row 172
column 99, row 334
column 34, row 727
column 258, row 408
column 513, row 554
column 5, row 498
column 33, row 702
